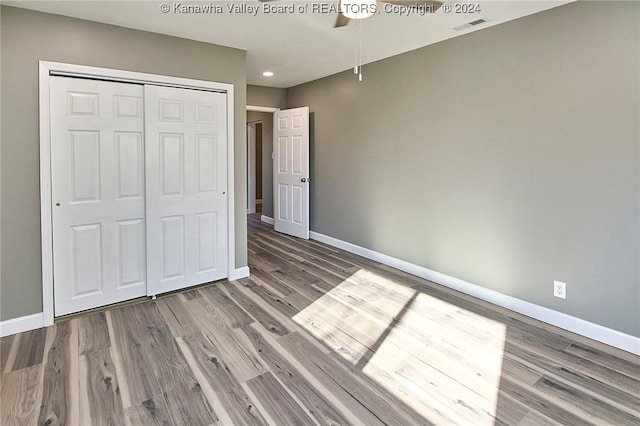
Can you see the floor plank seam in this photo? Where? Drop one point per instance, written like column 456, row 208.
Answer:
column 315, row 335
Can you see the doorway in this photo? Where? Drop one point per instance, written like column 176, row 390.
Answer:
column 260, row 162
column 254, row 167
column 290, row 156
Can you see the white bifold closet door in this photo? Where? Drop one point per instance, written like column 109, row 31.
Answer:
column 139, row 190
column 97, row 188
column 186, row 182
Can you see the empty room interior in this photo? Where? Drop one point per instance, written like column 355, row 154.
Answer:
column 350, row 212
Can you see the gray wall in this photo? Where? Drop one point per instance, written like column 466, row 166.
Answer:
column 266, row 96
column 508, row 157
column 266, row 118
column 28, row 37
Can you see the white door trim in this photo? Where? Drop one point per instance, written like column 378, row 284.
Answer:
column 251, row 168
column 262, row 108
column 47, row 68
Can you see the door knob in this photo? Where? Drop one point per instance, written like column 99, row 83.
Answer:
column 305, row 180
column 58, row 204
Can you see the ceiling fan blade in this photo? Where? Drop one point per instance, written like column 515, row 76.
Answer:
column 434, row 5
column 341, row 21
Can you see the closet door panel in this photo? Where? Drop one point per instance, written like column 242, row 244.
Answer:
column 186, row 187
column 97, row 189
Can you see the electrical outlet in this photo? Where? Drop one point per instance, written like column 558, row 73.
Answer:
column 560, row 289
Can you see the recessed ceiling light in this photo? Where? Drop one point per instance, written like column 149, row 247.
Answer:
column 268, row 73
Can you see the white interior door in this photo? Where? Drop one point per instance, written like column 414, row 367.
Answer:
column 291, row 171
column 97, row 188
column 186, row 173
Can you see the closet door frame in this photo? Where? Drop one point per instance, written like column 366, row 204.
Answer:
column 46, row 71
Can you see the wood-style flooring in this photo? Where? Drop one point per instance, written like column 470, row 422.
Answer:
column 315, row 336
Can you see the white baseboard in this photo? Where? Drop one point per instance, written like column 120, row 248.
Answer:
column 18, row 325
column 579, row 326
column 267, row 219
column 239, row 273
column 32, row 322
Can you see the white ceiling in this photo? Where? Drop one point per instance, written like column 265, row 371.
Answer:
column 298, row 47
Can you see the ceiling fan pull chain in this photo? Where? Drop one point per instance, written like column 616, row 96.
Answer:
column 360, row 51
column 355, row 59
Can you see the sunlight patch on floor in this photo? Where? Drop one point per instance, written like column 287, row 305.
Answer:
column 351, row 317
column 443, row 361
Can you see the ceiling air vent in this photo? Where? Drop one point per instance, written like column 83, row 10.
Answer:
column 470, row 24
